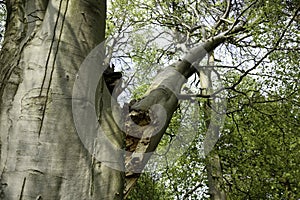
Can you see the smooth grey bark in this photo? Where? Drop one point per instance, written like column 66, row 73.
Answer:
column 215, row 177
column 143, row 139
column 42, row 156
column 213, row 165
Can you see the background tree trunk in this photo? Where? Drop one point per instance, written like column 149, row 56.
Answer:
column 42, row 156
column 213, row 166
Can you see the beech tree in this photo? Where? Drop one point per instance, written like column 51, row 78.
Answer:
column 270, row 30
column 47, row 43
column 42, row 156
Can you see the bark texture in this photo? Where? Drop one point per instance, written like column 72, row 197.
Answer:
column 213, row 166
column 42, row 156
column 158, row 105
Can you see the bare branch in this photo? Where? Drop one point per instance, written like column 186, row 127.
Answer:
column 267, row 54
column 225, row 15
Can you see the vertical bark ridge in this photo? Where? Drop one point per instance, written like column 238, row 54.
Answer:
column 22, row 189
column 52, row 158
column 55, row 52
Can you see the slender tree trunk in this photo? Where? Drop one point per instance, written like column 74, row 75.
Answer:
column 213, row 167
column 42, row 156
column 215, row 181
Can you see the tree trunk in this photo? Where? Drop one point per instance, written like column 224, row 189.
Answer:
column 42, row 156
column 213, row 166
column 158, row 105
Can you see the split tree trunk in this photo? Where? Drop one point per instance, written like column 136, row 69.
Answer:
column 42, row 156
column 143, row 139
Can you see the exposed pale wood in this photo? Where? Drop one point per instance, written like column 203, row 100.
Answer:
column 164, row 92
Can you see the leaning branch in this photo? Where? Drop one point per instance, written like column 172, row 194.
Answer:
column 149, row 117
